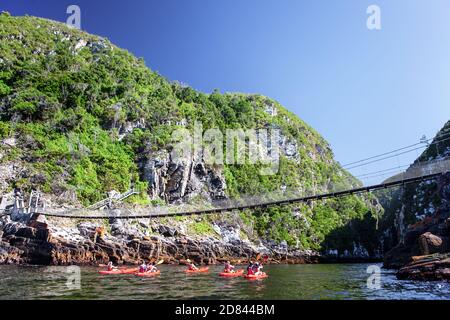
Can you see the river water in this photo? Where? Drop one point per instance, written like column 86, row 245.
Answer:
column 324, row 281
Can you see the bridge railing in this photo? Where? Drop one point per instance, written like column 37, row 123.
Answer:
column 107, row 201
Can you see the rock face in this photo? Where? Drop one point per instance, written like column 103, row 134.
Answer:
column 22, row 244
column 9, row 171
column 429, row 243
column 431, row 235
column 179, row 180
column 431, row 267
column 9, row 254
column 422, row 223
column 182, row 179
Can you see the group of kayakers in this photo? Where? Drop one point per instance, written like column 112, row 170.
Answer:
column 253, row 269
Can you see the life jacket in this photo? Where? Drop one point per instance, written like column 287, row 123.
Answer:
column 250, row 269
column 143, row 268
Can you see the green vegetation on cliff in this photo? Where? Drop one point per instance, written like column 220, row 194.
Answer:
column 84, row 113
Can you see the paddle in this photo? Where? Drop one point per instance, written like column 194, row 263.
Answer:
column 115, row 267
column 158, row 263
column 105, row 265
column 102, row 265
column 189, row 261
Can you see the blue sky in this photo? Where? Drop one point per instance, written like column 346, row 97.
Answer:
column 366, row 92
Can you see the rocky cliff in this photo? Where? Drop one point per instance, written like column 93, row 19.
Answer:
column 80, row 117
column 421, row 220
column 79, row 244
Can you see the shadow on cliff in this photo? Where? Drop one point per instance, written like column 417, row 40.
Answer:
column 356, row 241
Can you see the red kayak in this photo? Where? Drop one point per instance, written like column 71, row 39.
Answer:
column 254, row 276
column 119, row 271
column 237, row 273
column 200, row 270
column 148, row 274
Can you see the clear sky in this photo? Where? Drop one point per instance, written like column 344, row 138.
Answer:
column 366, row 91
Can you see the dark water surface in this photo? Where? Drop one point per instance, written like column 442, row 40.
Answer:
column 326, row 281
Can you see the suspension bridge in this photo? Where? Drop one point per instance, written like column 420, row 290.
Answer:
column 261, row 205
column 415, row 173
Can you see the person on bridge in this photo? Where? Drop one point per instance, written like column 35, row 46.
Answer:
column 229, row 268
column 191, row 265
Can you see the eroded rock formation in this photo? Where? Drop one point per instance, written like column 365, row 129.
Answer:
column 129, row 245
column 424, row 238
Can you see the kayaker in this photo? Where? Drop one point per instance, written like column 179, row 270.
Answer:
column 143, row 267
column 111, row 266
column 229, row 268
column 192, row 266
column 250, row 268
column 258, row 268
column 152, row 268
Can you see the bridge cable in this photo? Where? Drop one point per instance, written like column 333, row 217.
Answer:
column 400, row 149
column 391, row 156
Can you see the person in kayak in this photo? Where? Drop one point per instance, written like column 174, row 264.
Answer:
column 257, row 268
column 191, row 266
column 229, row 268
column 143, row 267
column 111, row 266
column 152, row 267
column 250, row 268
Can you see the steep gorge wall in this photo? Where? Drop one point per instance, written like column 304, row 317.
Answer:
column 419, row 214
